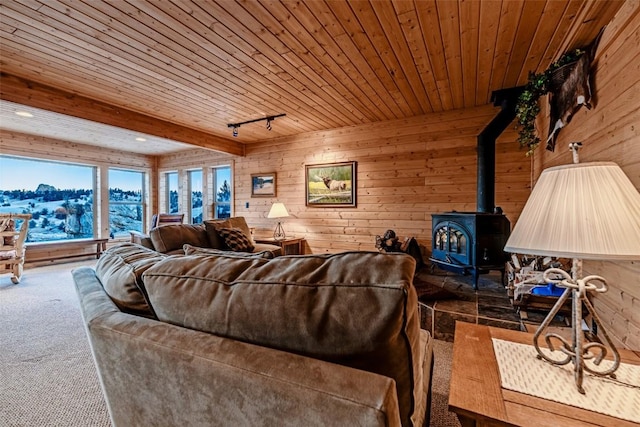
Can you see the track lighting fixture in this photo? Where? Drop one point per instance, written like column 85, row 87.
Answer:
column 269, row 119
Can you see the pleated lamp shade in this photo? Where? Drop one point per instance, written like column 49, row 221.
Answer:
column 584, row 211
column 278, row 210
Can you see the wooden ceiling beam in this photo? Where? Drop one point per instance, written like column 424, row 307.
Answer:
column 21, row 91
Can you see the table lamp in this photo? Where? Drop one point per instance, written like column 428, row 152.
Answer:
column 579, row 211
column 278, row 210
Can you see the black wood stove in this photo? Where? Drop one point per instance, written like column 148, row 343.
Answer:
column 469, row 242
column 473, row 242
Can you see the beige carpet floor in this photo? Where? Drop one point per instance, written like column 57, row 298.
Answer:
column 47, row 377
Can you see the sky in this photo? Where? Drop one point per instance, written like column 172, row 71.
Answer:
column 26, row 174
column 23, row 174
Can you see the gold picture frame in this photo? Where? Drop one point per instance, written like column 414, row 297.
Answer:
column 331, row 185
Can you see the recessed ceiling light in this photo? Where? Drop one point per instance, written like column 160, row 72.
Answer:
column 24, row 114
column 141, row 139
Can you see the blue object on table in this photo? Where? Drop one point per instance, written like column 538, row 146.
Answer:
column 550, row 290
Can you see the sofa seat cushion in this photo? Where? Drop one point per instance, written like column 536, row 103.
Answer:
column 8, row 255
column 120, row 269
column 169, row 239
column 357, row 309
column 192, row 250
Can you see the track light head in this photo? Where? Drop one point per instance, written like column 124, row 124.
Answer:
column 269, row 124
column 235, row 131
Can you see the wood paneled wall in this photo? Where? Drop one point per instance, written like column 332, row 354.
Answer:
column 407, row 169
column 611, row 132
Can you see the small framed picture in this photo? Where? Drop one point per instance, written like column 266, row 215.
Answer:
column 331, row 185
column 263, row 184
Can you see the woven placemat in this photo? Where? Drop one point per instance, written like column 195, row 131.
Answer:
column 522, row 371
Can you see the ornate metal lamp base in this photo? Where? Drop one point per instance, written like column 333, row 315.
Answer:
column 577, row 351
column 278, row 234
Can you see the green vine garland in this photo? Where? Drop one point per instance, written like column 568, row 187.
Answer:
column 528, row 108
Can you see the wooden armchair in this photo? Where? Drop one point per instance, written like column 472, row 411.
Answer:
column 12, row 248
column 159, row 220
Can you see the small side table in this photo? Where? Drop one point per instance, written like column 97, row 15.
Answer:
column 289, row 245
column 478, row 399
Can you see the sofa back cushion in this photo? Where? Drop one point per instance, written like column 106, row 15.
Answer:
column 357, row 309
column 171, row 238
column 120, row 269
column 213, row 226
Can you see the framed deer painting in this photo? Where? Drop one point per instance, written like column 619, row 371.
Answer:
column 331, row 185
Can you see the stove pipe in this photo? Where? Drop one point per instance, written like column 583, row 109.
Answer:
column 507, row 100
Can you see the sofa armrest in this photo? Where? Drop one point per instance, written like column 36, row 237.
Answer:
column 154, row 373
column 141, row 239
column 422, row 415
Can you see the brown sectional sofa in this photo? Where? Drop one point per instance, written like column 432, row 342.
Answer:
column 170, row 239
column 232, row 339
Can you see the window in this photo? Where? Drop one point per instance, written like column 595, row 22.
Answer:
column 172, row 205
column 126, row 207
column 195, row 196
column 222, row 186
column 59, row 196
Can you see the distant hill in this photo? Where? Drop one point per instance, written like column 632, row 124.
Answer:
column 43, row 188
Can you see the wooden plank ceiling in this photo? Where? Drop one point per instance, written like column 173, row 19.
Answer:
column 325, row 64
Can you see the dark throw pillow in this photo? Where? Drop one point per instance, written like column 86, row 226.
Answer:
column 236, row 239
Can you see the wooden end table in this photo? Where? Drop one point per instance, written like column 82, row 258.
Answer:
column 478, row 399
column 289, row 245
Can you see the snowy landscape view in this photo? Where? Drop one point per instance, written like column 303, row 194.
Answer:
column 68, row 214
column 60, row 198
